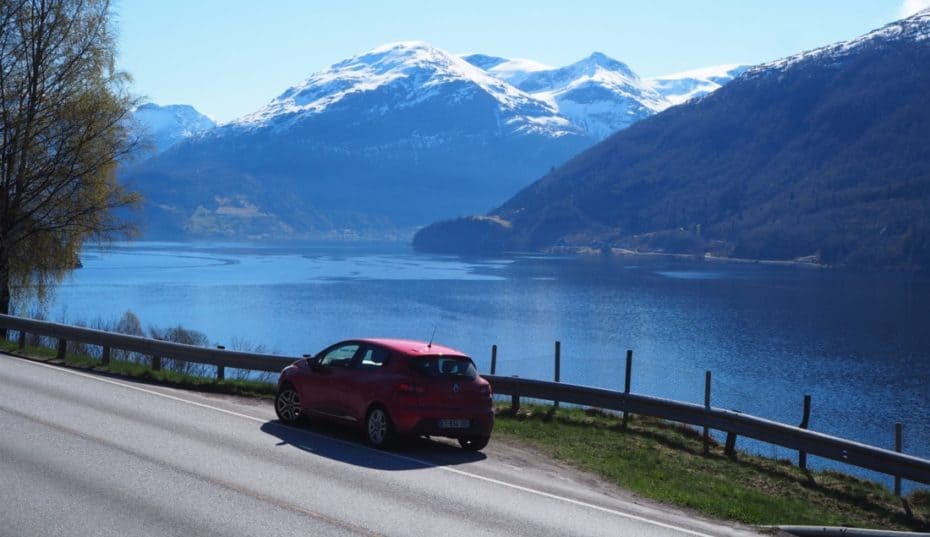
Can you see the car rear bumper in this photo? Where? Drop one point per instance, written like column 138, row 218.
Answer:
column 431, row 427
column 419, row 423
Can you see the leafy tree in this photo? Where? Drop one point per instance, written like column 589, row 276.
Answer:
column 63, row 126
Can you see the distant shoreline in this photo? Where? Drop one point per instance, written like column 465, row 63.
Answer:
column 807, row 261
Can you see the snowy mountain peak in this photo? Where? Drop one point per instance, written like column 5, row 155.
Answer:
column 678, row 88
column 165, row 126
column 402, row 75
column 914, row 28
column 597, row 66
column 600, row 60
column 512, row 70
column 601, row 94
column 594, row 96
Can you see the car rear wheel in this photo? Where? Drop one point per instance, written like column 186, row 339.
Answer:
column 378, row 427
column 287, row 404
column 474, row 443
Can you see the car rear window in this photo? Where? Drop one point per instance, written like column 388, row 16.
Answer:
column 444, row 367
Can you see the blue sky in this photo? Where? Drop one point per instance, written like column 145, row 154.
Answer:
column 230, row 57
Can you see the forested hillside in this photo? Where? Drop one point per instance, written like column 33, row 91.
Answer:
column 824, row 154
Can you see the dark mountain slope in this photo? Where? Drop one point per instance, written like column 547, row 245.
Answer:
column 824, row 154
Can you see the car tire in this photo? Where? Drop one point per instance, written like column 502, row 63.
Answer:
column 474, row 443
column 379, row 430
column 287, row 405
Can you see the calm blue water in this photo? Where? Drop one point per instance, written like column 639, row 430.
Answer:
column 859, row 344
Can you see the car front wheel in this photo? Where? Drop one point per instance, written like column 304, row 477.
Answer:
column 474, row 443
column 378, row 427
column 287, row 404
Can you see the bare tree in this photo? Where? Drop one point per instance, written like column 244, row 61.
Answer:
column 64, row 111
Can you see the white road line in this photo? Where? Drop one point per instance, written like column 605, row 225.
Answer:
column 426, row 464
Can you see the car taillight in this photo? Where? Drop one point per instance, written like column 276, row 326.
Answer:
column 409, row 388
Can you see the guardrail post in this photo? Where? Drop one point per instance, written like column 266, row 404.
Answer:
column 898, row 446
column 156, row 363
column 22, row 339
column 730, row 449
column 105, row 356
column 493, row 359
column 62, row 349
column 706, row 407
column 558, row 365
column 220, row 370
column 626, row 383
column 515, row 404
column 805, row 422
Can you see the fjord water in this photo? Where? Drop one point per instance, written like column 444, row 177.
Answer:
column 859, row 344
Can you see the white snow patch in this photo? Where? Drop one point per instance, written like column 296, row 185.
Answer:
column 425, row 67
column 912, row 7
column 915, row 28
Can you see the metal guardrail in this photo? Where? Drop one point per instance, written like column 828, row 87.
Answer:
column 732, row 422
column 795, row 438
column 157, row 349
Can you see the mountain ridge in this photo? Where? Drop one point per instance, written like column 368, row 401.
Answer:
column 405, row 122
column 818, row 156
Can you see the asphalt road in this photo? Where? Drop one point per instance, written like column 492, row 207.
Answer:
column 84, row 454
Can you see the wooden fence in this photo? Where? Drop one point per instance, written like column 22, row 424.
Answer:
column 732, row 422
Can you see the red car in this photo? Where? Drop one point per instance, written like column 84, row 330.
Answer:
column 390, row 387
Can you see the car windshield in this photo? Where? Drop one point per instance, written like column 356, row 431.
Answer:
column 445, row 366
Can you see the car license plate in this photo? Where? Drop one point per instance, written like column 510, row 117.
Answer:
column 454, row 424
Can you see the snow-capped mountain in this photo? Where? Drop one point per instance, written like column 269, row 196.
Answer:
column 373, row 146
column 682, row 87
column 402, row 76
column 600, row 94
column 820, row 155
column 915, row 28
column 512, row 71
column 164, row 126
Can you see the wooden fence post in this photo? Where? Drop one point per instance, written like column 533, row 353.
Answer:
column 706, row 407
column 805, row 423
column 62, row 349
column 493, row 359
column 105, row 356
column 558, row 365
column 626, row 383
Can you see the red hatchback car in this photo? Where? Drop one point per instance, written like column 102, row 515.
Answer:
column 390, row 387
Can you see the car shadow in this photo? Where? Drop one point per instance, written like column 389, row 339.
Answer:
column 344, row 445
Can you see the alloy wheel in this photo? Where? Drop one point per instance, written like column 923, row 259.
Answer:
column 287, row 405
column 378, row 427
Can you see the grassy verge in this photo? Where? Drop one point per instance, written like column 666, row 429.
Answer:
column 144, row 372
column 665, row 462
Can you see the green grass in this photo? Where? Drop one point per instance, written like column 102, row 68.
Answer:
column 665, row 462
column 142, row 371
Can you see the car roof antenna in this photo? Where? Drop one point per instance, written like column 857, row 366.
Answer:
column 431, row 336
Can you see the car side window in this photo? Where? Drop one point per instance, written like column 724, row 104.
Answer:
column 340, row 356
column 373, row 357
